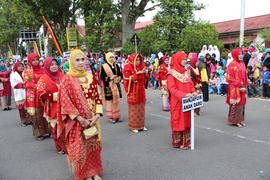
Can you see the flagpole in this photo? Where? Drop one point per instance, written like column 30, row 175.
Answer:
column 242, row 23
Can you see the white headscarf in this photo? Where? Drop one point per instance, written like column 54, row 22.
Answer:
column 210, row 50
column 230, row 59
column 216, row 51
column 204, row 51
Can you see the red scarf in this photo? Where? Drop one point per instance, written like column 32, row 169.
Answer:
column 177, row 60
column 37, row 69
column 132, row 61
column 55, row 76
column 15, row 68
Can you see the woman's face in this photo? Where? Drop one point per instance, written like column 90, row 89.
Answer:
column 166, row 61
column 54, row 66
column 112, row 59
column 2, row 63
column 240, row 56
column 35, row 61
column 20, row 68
column 80, row 62
column 137, row 62
column 184, row 62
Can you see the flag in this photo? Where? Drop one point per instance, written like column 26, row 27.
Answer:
column 36, row 48
column 54, row 38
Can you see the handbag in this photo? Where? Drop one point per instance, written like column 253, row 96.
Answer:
column 90, row 132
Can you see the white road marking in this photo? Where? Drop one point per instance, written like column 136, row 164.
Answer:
column 219, row 131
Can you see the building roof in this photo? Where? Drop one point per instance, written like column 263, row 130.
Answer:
column 252, row 23
column 139, row 26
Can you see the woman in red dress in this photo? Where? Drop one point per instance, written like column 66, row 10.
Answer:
column 163, row 71
column 79, row 110
column 237, row 89
column 47, row 91
column 195, row 76
column 134, row 83
column 16, row 81
column 33, row 103
column 180, row 85
column 5, row 87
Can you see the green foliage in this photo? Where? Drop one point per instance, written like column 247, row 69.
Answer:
column 174, row 16
column 102, row 24
column 194, row 37
column 246, row 42
column 14, row 17
column 266, row 34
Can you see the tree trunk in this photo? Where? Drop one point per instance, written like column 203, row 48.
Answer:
column 127, row 24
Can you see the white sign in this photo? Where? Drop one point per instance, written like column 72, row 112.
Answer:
column 191, row 103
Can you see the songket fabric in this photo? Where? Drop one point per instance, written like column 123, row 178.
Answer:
column 112, row 91
column 33, row 103
column 16, row 81
column 163, row 72
column 134, row 85
column 79, row 95
column 47, row 91
column 5, row 91
column 237, row 80
column 179, row 85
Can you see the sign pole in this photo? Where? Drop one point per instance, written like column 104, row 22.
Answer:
column 192, row 130
column 136, row 44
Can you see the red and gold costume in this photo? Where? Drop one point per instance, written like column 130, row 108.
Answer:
column 163, row 72
column 47, row 91
column 237, row 79
column 135, row 88
column 33, row 103
column 179, row 85
column 79, row 95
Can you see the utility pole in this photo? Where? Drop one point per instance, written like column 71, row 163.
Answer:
column 242, row 22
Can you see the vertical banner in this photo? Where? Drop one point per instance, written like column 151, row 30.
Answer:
column 10, row 51
column 54, row 38
column 72, row 40
column 36, row 48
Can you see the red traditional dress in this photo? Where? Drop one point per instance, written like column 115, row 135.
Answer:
column 135, row 88
column 195, row 76
column 237, row 89
column 33, row 104
column 163, row 72
column 111, row 76
column 5, row 88
column 79, row 95
column 179, row 85
column 47, row 91
column 16, row 81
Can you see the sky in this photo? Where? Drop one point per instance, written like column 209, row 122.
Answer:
column 220, row 10
column 223, row 10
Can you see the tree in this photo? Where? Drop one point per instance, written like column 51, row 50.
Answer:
column 194, row 37
column 102, row 23
column 14, row 17
column 173, row 17
column 131, row 10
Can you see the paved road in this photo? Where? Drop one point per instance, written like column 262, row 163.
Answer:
column 222, row 152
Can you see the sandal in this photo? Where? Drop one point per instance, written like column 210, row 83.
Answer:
column 97, row 177
column 23, row 125
column 239, row 125
column 40, row 138
column 243, row 124
column 61, row 152
column 184, row 147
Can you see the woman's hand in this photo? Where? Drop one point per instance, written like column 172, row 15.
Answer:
column 195, row 93
column 189, row 94
column 94, row 119
column 84, row 122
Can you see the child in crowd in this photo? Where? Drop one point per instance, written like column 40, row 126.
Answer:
column 257, row 79
column 223, row 85
column 214, row 82
column 250, row 81
column 266, row 81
